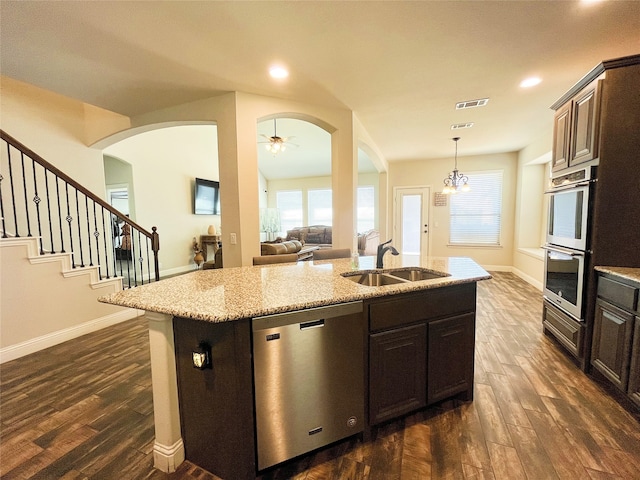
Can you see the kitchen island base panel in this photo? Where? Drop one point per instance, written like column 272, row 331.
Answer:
column 216, row 403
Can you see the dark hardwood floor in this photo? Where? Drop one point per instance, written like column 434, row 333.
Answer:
column 83, row 410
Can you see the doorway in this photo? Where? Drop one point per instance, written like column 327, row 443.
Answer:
column 411, row 220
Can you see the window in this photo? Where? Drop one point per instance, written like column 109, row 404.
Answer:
column 476, row 215
column 290, row 205
column 366, row 210
column 320, row 207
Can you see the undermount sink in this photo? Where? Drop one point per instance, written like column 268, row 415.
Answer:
column 374, row 279
column 392, row 277
column 416, row 274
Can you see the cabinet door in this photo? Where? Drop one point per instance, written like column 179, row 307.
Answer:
column 634, row 370
column 450, row 353
column 611, row 348
column 584, row 125
column 560, row 153
column 397, row 372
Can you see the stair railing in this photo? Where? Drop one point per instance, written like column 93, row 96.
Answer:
column 39, row 200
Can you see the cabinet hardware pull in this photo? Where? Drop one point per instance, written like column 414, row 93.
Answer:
column 313, row 324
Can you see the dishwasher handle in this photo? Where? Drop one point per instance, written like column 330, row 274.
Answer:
column 313, row 324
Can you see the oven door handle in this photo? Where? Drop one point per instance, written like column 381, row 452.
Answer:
column 566, row 251
column 584, row 183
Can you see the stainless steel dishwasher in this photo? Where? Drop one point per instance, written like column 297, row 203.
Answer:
column 308, row 372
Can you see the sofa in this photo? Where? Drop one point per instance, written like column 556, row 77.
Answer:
column 368, row 242
column 279, row 247
column 319, row 235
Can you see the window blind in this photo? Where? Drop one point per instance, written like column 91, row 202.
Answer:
column 475, row 216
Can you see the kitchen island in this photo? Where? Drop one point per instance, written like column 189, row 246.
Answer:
column 211, row 410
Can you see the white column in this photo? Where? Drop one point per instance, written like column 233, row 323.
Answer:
column 168, row 449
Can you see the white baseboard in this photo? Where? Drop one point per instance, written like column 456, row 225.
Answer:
column 167, row 458
column 508, row 268
column 528, row 278
column 177, row 270
column 49, row 340
column 497, row 268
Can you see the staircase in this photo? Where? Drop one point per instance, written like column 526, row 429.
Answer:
column 61, row 247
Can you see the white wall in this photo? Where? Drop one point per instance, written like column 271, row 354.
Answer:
column 165, row 163
column 431, row 173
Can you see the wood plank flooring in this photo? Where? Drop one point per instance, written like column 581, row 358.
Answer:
column 83, row 410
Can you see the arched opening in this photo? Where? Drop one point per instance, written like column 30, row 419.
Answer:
column 295, row 182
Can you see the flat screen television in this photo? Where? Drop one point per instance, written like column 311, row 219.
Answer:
column 206, row 198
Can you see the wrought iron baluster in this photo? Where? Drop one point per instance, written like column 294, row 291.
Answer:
column 148, row 260
column 24, row 189
column 69, row 219
column 140, row 259
column 46, row 188
column 104, row 239
column 13, row 198
column 86, row 210
column 37, row 200
column 4, row 225
column 96, row 234
column 59, row 215
column 115, row 234
column 79, row 229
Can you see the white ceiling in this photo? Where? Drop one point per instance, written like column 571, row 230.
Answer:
column 400, row 66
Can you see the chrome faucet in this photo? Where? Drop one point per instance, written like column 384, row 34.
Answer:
column 382, row 250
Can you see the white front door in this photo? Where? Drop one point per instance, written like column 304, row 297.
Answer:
column 411, row 220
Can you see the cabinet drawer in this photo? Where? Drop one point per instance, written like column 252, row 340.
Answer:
column 569, row 332
column 413, row 308
column 617, row 293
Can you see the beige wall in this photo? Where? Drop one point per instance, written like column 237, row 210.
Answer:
column 431, row 174
column 531, row 209
column 165, row 163
column 40, row 308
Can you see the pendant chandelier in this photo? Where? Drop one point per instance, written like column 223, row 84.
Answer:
column 456, row 180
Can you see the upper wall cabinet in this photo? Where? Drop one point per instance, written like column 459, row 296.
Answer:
column 576, row 128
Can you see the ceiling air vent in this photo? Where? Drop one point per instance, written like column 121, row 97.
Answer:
column 458, row 126
column 472, row 103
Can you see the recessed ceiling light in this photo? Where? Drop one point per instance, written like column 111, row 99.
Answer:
column 530, row 82
column 278, row 71
column 481, row 102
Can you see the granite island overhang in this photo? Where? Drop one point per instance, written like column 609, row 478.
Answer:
column 245, row 292
column 226, row 300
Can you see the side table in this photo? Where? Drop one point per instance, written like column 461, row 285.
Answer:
column 206, row 240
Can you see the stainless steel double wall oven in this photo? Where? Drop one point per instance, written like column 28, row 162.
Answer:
column 567, row 240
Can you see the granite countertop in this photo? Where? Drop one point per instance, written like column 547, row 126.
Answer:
column 244, row 292
column 625, row 273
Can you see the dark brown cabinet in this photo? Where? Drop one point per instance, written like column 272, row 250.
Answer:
column 585, row 119
column 634, row 368
column 421, row 350
column 450, row 358
column 560, row 149
column 397, row 372
column 576, row 128
column 611, row 347
column 615, row 349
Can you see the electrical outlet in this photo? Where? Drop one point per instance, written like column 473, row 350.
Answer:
column 232, row 239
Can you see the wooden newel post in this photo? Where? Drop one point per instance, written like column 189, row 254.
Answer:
column 155, row 246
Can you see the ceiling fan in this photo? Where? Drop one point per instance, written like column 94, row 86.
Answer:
column 276, row 144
